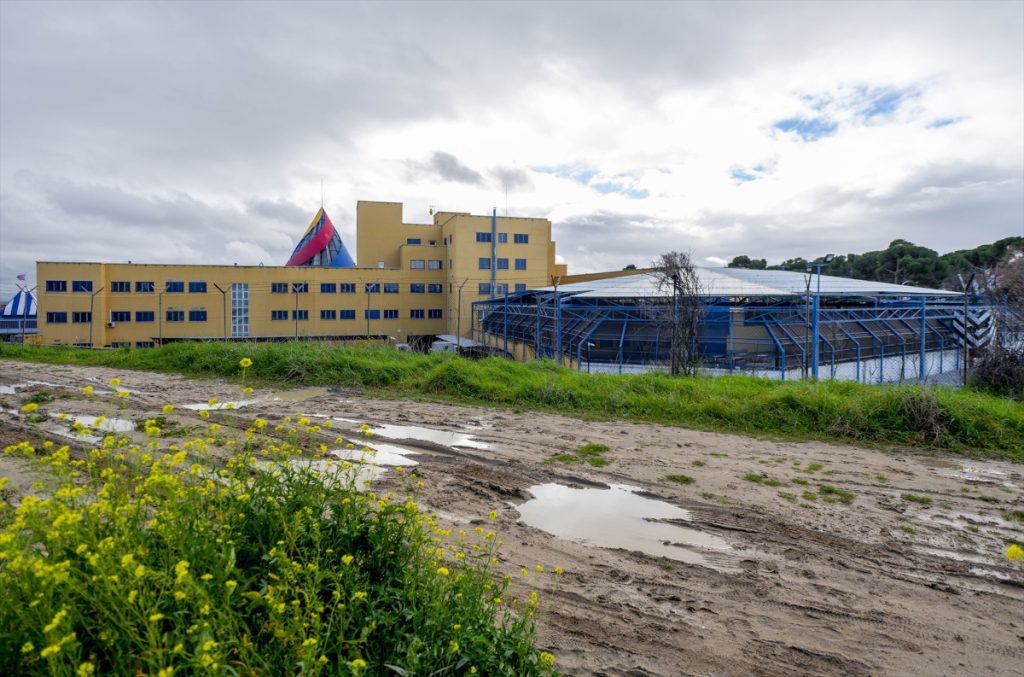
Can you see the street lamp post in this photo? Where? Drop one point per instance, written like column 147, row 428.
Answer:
column 817, row 311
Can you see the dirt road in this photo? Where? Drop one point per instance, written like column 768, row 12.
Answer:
column 776, row 557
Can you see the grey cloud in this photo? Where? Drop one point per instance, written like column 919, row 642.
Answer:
column 449, row 168
column 512, row 178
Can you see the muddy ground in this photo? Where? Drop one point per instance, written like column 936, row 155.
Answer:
column 795, row 581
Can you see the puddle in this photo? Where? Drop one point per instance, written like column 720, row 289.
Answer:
column 983, row 474
column 205, row 406
column 299, row 394
column 616, row 518
column 381, row 454
column 113, row 425
column 14, row 387
column 332, row 473
column 413, row 432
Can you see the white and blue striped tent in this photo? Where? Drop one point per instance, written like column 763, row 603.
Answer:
column 23, row 305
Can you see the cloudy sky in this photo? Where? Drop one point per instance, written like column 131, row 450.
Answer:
column 199, row 132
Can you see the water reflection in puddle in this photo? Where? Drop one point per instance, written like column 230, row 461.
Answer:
column 205, row 406
column 299, row 394
column 982, row 474
column 113, row 425
column 412, row 432
column 14, row 387
column 381, row 454
column 616, row 518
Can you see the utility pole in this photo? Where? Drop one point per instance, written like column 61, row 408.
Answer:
column 458, row 321
column 224, row 308
column 967, row 345
column 807, row 326
column 24, row 312
column 92, row 298
column 558, row 323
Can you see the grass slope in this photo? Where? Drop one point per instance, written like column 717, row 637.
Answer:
column 967, row 421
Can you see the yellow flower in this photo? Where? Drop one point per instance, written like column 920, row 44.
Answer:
column 357, row 664
column 181, row 571
column 30, row 407
column 140, row 571
column 166, row 672
column 309, row 642
column 132, row 596
column 247, row 390
column 547, row 659
column 442, row 571
column 168, row 408
column 28, row 647
column 359, row 595
column 347, row 559
column 115, row 382
column 534, row 599
column 87, row 668
column 245, row 363
column 493, row 515
column 87, row 391
column 212, row 401
column 122, row 394
column 153, row 618
column 230, row 585
column 204, row 414
column 540, row 569
column 1014, row 552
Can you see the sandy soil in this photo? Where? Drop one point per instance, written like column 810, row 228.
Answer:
column 878, row 585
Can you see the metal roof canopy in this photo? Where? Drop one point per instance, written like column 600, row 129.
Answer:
column 729, row 282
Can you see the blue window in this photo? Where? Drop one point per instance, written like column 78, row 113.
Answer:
column 300, row 314
column 390, row 287
column 175, row 315
column 56, row 285
column 145, row 316
column 390, row 314
column 502, row 264
column 520, row 264
column 485, row 287
column 328, row 288
column 145, row 287
column 56, row 318
column 145, row 344
column 371, row 314
column 520, row 287
column 197, row 287
column 346, row 314
column 328, row 314
column 82, row 318
column 502, row 238
column 278, row 314
column 372, row 287
column 121, row 287
column 434, row 313
column 278, row 288
column 521, row 238
column 412, row 240
column 434, row 264
column 175, row 287
column 197, row 316
column 485, row 264
column 347, row 288
column 120, row 316
column 300, row 287
column 81, row 285
column 417, row 288
column 502, row 289
column 435, row 288
column 483, row 237
column 416, row 264
column 416, row 314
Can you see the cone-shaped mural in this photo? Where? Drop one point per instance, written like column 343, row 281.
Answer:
column 321, row 246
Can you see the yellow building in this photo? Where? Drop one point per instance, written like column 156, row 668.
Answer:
column 412, row 280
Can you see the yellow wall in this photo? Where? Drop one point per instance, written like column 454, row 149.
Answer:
column 381, row 239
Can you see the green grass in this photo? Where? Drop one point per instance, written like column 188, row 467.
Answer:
column 1015, row 515
column 809, row 496
column 761, row 479
column 914, row 498
column 966, row 421
column 812, row 468
column 698, row 463
column 787, row 496
column 831, row 494
column 679, row 479
column 585, row 453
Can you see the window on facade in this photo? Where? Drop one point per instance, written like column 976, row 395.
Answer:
column 328, row 288
column 344, row 314
column 520, row 287
column 175, row 287
column 300, row 314
column 56, row 318
column 84, row 317
column 300, row 287
column 434, row 264
column 417, row 288
column 412, row 240
column 416, row 264
column 391, row 314
column 434, row 313
column 278, row 314
column 197, row 316
column 502, row 238
column 197, row 287
column 522, row 238
column 328, row 314
column 432, row 242
column 485, row 263
column 371, row 314
column 502, row 289
column 416, row 314
column 175, row 315
column 145, row 316
column 483, row 237
column 120, row 316
column 145, row 344
column 278, row 287
column 120, row 287
column 435, row 288
column 372, row 287
column 520, row 264
column 81, row 285
column 502, row 264
column 390, row 287
column 120, row 344
column 347, row 288
column 56, row 285
column 485, row 287
column 145, row 287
